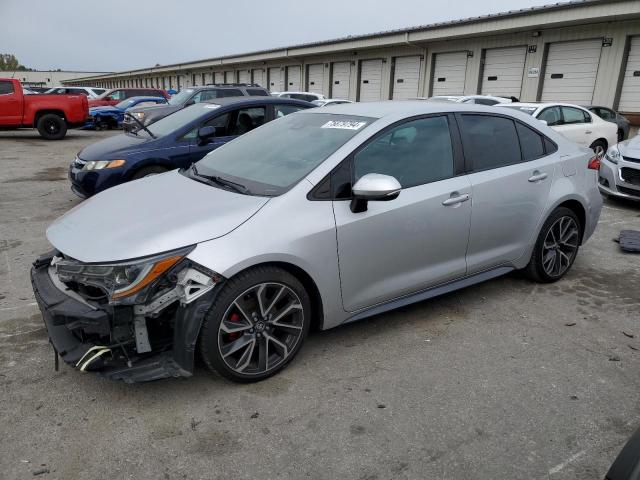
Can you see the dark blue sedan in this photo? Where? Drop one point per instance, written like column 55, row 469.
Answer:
column 107, row 117
column 175, row 141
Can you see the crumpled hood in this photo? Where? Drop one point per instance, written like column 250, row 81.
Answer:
column 630, row 148
column 107, row 108
column 149, row 216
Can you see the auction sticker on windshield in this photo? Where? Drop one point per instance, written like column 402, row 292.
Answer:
column 345, row 125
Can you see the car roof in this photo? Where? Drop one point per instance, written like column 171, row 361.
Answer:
column 223, row 102
column 542, row 105
column 145, row 97
column 404, row 108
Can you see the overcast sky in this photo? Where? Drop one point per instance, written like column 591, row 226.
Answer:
column 113, row 35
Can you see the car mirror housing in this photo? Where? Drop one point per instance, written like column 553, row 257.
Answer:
column 206, row 133
column 374, row 187
column 544, row 121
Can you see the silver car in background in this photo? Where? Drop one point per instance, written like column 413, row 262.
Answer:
column 317, row 219
column 620, row 170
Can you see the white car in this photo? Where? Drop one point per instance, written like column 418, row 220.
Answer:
column 90, row 92
column 576, row 123
column 307, row 96
column 477, row 99
column 330, row 101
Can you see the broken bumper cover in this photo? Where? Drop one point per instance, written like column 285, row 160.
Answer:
column 67, row 319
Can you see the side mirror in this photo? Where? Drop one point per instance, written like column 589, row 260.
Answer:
column 190, row 102
column 206, row 133
column 544, row 121
column 373, row 187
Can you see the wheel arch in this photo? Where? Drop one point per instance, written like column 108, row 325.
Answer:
column 576, row 207
column 317, row 310
column 151, row 162
column 40, row 113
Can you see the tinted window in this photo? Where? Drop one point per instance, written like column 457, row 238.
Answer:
column 573, row 115
column 530, row 142
column 415, row 153
column 6, row 87
column 229, row 92
column 282, row 110
column 221, row 123
column 205, row 95
column 549, row 146
column 247, row 119
column 77, row 91
column 119, row 95
column 551, row 115
column 490, row 142
column 257, row 92
column 485, row 101
column 605, row 113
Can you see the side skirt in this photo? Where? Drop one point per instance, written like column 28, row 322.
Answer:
column 429, row 293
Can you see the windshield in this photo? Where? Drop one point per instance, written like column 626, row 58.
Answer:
column 179, row 119
column 276, row 156
column 521, row 108
column 124, row 104
column 181, row 97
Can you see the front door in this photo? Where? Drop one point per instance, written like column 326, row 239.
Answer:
column 10, row 104
column 418, row 240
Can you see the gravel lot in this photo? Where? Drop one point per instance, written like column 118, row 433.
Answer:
column 505, row 380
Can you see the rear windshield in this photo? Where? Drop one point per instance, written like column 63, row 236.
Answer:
column 271, row 159
column 520, row 108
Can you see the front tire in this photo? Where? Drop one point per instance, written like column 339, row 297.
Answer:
column 51, row 127
column 556, row 247
column 256, row 325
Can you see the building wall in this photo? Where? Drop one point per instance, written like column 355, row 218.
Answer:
column 583, row 22
column 46, row 78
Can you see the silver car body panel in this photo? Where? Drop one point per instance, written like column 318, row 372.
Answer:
column 630, row 158
column 397, row 251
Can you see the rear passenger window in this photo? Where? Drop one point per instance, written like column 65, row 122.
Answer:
column 490, row 142
column 283, row 110
column 257, row 92
column 415, row 153
column 530, row 142
column 573, row 115
column 229, row 92
column 6, row 87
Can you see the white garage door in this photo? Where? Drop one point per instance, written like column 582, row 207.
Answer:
column 503, row 71
column 341, row 80
column 275, row 80
column 630, row 95
column 218, row 77
column 243, row 76
column 258, row 76
column 371, row 81
column 406, row 78
column 293, row 78
column 229, row 76
column 315, row 81
column 570, row 72
column 449, row 73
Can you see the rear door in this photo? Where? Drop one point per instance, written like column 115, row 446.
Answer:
column 405, row 245
column 10, row 104
column 510, row 173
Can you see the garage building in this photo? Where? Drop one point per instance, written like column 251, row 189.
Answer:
column 584, row 52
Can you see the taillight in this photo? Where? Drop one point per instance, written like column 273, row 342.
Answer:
column 594, row 163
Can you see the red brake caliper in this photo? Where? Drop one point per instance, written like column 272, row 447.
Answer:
column 234, row 317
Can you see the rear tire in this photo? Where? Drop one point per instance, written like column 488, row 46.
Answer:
column 256, row 325
column 556, row 247
column 51, row 127
column 599, row 147
column 148, row 172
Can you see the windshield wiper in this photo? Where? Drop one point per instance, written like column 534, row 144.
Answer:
column 142, row 127
column 238, row 187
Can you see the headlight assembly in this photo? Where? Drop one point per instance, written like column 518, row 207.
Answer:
column 613, row 154
column 125, row 282
column 100, row 164
column 139, row 115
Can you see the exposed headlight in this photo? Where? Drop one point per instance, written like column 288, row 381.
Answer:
column 123, row 283
column 613, row 154
column 100, row 164
column 139, row 115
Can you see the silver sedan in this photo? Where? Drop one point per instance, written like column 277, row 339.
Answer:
column 320, row 218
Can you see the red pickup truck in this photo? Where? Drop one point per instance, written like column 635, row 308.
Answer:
column 50, row 114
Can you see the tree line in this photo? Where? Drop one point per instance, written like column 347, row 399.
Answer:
column 9, row 62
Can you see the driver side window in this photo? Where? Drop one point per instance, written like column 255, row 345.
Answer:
column 415, row 153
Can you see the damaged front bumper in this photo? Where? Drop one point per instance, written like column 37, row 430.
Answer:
column 134, row 343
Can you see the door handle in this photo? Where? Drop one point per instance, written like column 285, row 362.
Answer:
column 537, row 177
column 455, row 199
column 588, row 132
